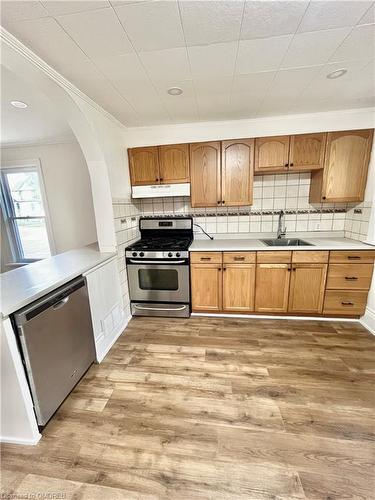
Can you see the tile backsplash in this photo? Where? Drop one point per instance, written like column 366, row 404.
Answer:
column 272, row 193
column 357, row 221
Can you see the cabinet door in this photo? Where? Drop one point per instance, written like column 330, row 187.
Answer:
column 307, row 151
column 206, row 287
column 174, row 163
column 307, row 288
column 238, row 287
column 205, row 174
column 271, row 154
column 237, row 172
column 345, row 168
column 272, row 287
column 144, row 166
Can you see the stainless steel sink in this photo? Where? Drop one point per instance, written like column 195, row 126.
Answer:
column 284, row 242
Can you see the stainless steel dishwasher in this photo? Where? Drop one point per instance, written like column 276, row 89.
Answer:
column 57, row 342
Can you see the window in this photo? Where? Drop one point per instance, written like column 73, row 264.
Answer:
column 24, row 211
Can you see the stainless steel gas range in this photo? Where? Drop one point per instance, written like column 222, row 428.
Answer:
column 158, row 267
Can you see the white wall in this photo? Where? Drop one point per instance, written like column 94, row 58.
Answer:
column 259, row 127
column 68, row 189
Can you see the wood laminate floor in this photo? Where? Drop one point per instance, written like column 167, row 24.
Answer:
column 207, row 408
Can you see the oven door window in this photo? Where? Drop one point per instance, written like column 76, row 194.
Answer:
column 158, row 279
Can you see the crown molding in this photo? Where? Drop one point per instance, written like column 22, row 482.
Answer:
column 63, row 139
column 13, row 42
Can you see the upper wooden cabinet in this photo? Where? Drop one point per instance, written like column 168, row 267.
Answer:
column 237, row 172
column 144, row 166
column 307, row 151
column 271, row 154
column 205, row 174
column 159, row 164
column 174, row 163
column 344, row 176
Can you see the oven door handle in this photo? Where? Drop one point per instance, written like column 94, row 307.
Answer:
column 170, row 262
column 160, row 308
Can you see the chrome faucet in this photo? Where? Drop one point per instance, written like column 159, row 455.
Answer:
column 281, row 229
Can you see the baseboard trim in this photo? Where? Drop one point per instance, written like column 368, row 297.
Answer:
column 368, row 320
column 265, row 316
column 27, row 442
column 99, row 358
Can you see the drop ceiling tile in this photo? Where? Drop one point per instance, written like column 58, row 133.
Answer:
column 167, row 64
column 206, row 22
column 252, row 84
column 213, row 60
column 323, row 14
column 289, row 83
column 48, row 39
column 263, row 19
column 261, row 54
column 21, row 11
column 211, row 86
column 126, row 67
column 359, row 44
column 61, row 7
column 98, row 32
column 315, row 47
column 369, row 16
column 323, row 87
column 152, row 25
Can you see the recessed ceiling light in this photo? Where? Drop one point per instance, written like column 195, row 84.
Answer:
column 18, row 104
column 337, row 73
column 175, row 91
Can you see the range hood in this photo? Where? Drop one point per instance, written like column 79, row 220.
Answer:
column 161, row 190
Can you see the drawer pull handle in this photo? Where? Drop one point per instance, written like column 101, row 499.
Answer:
column 239, row 258
column 347, row 303
column 205, row 258
column 353, row 257
column 351, row 278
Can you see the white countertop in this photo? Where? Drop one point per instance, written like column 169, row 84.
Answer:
column 25, row 284
column 248, row 244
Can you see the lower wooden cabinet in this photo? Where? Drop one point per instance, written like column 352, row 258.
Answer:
column 307, row 284
column 272, row 287
column 281, row 282
column 238, row 287
column 206, row 287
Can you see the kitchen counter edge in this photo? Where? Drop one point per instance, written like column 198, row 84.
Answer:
column 24, row 285
column 248, row 245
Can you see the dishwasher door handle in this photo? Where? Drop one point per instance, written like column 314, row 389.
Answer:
column 60, row 304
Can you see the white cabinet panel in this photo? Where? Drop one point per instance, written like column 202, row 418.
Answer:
column 106, row 305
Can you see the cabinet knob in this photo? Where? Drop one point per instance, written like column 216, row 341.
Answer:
column 157, row 180
column 347, row 303
column 291, row 164
column 286, row 164
column 161, row 178
column 324, row 198
column 219, row 268
column 223, row 202
column 218, row 202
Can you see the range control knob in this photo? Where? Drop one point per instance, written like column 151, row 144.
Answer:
column 178, row 254
column 142, row 254
column 170, row 254
column 134, row 254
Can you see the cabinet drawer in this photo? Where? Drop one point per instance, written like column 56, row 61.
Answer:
column 350, row 276
column 301, row 256
column 206, row 257
column 360, row 256
column 239, row 257
column 345, row 302
column 279, row 257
